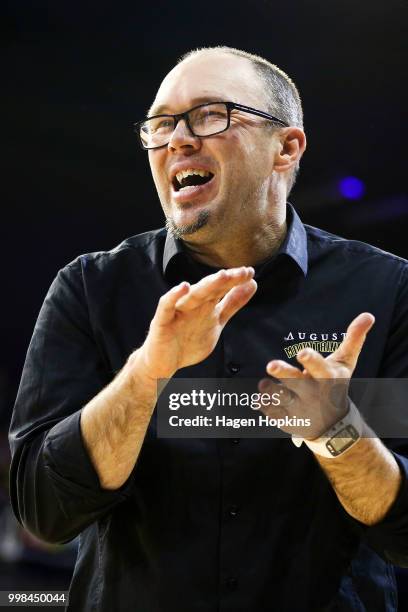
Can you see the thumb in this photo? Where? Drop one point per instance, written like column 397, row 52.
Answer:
column 350, row 349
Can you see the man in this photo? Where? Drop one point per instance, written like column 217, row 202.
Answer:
column 238, row 525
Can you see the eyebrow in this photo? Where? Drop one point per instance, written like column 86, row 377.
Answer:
column 163, row 108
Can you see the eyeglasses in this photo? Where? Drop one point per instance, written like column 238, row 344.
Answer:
column 202, row 121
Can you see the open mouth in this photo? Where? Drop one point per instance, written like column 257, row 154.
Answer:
column 191, row 178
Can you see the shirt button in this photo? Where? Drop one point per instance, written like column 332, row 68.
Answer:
column 234, row 368
column 232, row 583
column 233, row 511
column 235, row 440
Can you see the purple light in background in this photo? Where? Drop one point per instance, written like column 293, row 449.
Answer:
column 351, row 188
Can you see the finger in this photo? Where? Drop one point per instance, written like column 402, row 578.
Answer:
column 166, row 307
column 280, row 395
column 284, row 371
column 235, row 299
column 214, row 287
column 317, row 366
column 280, row 369
column 349, row 350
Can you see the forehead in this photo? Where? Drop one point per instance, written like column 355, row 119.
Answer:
column 208, row 77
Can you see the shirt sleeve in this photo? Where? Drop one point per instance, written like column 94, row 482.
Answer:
column 390, row 536
column 54, row 489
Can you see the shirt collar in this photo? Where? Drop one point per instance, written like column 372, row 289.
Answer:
column 173, row 248
column 294, row 245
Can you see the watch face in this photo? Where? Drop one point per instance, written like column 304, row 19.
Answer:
column 342, row 440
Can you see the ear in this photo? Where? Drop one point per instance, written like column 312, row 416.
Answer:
column 292, row 143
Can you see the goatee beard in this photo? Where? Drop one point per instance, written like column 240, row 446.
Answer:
column 178, row 231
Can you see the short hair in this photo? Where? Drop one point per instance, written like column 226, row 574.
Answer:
column 281, row 94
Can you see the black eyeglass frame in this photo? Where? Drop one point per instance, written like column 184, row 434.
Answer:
column 229, row 105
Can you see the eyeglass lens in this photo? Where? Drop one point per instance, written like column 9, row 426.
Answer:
column 205, row 120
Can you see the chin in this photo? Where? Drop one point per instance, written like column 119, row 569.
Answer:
column 189, row 229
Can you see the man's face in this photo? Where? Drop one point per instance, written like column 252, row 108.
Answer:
column 239, row 160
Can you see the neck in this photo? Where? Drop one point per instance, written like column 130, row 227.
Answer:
column 235, row 251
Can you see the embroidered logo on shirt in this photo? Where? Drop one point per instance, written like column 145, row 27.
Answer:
column 320, row 342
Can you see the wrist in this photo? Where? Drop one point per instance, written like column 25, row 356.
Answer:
column 340, row 416
column 339, row 438
column 141, row 370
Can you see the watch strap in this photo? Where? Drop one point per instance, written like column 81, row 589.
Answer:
column 339, row 438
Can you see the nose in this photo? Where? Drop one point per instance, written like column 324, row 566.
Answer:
column 183, row 139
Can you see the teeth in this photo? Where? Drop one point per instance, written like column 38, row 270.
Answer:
column 185, row 173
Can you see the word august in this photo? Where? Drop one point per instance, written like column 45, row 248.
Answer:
column 207, row 400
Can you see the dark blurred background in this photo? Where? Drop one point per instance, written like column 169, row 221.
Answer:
column 74, row 78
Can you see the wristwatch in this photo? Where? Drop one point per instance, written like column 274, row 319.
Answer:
column 339, row 438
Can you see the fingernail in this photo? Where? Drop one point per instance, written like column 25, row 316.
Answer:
column 304, row 354
column 180, row 286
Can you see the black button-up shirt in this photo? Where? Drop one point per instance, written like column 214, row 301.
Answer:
column 208, row 525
